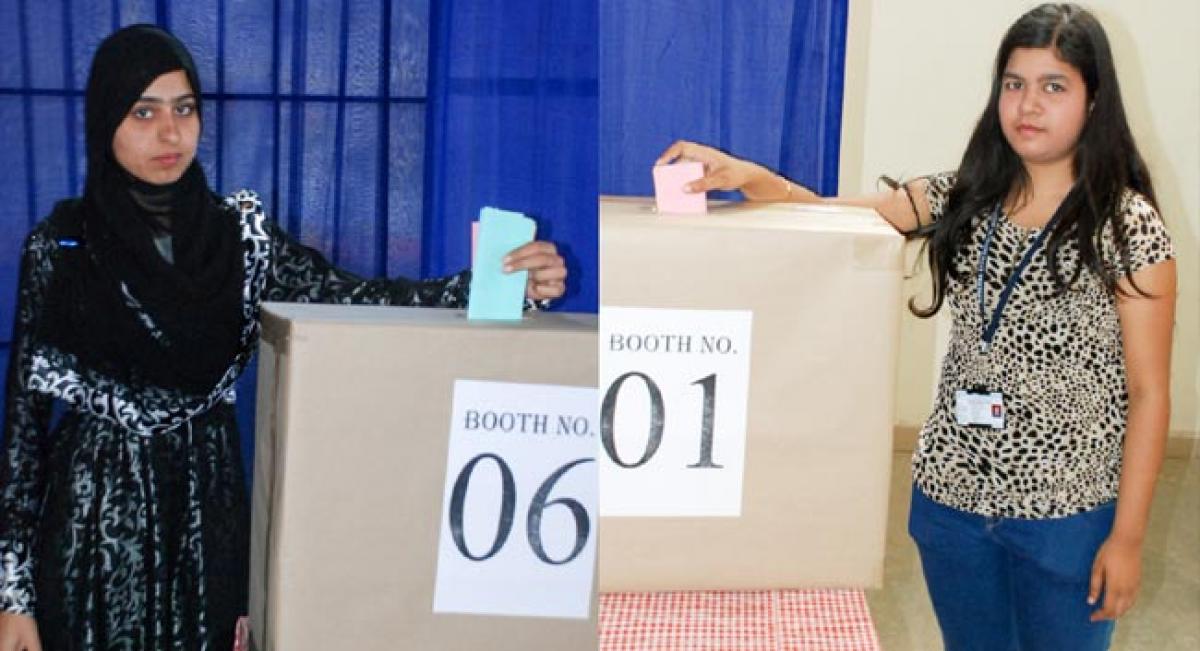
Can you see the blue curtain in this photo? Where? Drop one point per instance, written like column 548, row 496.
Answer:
column 761, row 79
column 513, row 124
column 325, row 108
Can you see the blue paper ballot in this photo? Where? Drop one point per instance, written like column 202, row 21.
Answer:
column 496, row 295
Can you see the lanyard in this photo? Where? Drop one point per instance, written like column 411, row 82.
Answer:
column 993, row 323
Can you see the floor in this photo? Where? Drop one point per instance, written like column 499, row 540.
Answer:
column 1165, row 618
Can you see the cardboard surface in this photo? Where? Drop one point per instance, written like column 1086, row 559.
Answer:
column 354, row 409
column 824, row 285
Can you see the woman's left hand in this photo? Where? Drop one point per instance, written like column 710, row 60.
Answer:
column 547, row 271
column 1117, row 572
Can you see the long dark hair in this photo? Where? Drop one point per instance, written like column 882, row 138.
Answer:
column 1107, row 162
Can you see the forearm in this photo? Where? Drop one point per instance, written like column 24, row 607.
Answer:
column 765, row 185
column 757, row 183
column 1145, row 441
column 896, row 206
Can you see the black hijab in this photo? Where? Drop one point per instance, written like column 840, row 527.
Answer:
column 123, row 308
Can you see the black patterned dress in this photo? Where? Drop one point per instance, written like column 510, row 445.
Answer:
column 124, row 524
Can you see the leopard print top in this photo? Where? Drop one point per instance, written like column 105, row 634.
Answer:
column 1058, row 360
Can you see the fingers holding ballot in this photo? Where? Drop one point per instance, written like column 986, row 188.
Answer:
column 504, row 247
column 547, row 270
column 725, row 172
column 721, row 171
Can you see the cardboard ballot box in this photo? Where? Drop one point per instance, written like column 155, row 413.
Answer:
column 797, row 496
column 350, row 475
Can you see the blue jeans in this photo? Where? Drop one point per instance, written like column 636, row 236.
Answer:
column 1011, row 584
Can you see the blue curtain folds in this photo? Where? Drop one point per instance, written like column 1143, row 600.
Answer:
column 362, row 141
column 512, row 124
column 760, row 79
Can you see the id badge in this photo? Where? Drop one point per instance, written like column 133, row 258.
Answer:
column 979, row 408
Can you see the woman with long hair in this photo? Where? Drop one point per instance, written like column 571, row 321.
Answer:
column 1034, row 474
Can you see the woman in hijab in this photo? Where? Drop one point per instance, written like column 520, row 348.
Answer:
column 127, row 526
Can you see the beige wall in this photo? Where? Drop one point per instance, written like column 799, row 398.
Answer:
column 917, row 74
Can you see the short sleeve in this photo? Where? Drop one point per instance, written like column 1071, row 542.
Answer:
column 937, row 192
column 1145, row 234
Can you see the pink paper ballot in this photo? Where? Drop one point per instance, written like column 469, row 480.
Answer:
column 474, row 239
column 668, row 188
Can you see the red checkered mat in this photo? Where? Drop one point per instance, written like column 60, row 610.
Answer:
column 763, row 620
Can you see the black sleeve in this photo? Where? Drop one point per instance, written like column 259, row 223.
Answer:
column 300, row 274
column 26, row 421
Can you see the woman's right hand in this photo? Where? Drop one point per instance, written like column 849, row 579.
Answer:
column 725, row 172
column 18, row 633
column 905, row 207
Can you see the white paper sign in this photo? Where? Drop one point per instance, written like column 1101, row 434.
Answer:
column 518, row 532
column 674, row 385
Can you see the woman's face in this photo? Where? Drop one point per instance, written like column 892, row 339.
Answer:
column 156, row 141
column 1043, row 105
